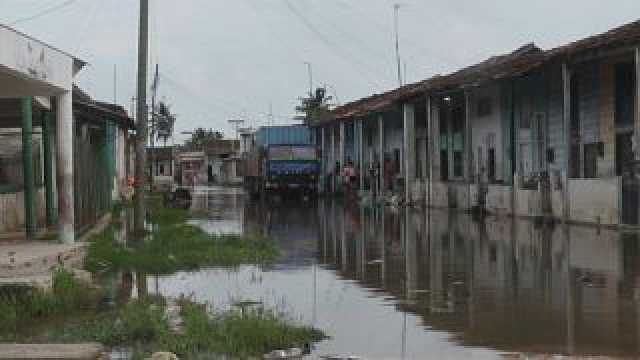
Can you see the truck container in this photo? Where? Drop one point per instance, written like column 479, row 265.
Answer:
column 284, row 159
column 284, row 135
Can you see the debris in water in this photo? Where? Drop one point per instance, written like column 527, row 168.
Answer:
column 293, row 353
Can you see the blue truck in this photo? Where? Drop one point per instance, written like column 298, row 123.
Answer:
column 283, row 160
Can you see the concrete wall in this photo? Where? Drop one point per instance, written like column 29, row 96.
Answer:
column 499, row 199
column 12, row 211
column 595, row 200
column 486, row 131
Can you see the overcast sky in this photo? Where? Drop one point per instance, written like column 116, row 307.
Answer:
column 223, row 59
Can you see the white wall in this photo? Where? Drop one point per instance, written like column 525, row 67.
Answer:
column 595, row 200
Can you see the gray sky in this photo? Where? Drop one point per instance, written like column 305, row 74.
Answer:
column 222, row 59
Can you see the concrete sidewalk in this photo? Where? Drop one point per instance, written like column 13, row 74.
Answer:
column 89, row 351
column 36, row 258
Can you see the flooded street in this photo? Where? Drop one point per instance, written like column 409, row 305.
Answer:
column 386, row 283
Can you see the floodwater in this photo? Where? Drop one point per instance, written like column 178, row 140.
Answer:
column 408, row 284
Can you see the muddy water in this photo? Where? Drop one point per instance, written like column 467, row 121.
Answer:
column 392, row 284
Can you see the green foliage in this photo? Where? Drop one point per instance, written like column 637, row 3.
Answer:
column 315, row 108
column 174, row 245
column 142, row 325
column 138, row 323
column 23, row 306
column 201, row 137
column 250, row 333
column 174, row 248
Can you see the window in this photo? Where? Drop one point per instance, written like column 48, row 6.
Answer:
column 491, row 163
column 444, row 165
column 591, row 152
column 458, row 170
column 162, row 169
column 574, row 171
column 484, row 106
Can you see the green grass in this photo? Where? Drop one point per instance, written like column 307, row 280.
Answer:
column 22, row 307
column 252, row 333
column 142, row 326
column 173, row 245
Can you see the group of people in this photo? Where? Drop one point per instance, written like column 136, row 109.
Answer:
column 350, row 176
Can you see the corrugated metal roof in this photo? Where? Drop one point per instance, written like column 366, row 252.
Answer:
column 516, row 63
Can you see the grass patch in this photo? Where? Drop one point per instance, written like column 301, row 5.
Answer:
column 176, row 248
column 252, row 333
column 173, row 245
column 23, row 307
column 143, row 326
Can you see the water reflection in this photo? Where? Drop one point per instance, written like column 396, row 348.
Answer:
column 388, row 283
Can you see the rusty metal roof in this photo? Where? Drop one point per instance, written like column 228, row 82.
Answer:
column 519, row 62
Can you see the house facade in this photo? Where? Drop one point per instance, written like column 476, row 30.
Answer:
column 533, row 133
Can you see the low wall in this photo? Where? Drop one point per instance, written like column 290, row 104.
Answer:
column 12, row 211
column 439, row 195
column 418, row 191
column 499, row 199
column 595, row 201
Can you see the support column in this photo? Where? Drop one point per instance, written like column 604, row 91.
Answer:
column 47, row 144
column 323, row 160
column 332, row 163
column 64, row 144
column 381, row 156
column 343, row 140
column 360, row 125
column 111, row 163
column 566, row 120
column 468, row 147
column 27, row 167
column 409, row 149
column 341, row 154
column 429, row 153
column 636, row 122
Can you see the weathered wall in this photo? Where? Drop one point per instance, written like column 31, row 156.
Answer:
column 12, row 211
column 487, row 131
column 595, row 200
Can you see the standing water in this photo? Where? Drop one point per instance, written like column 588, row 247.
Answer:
column 389, row 283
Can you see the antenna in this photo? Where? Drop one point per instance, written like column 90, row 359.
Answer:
column 396, row 25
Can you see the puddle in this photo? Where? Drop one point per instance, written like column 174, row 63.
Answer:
column 409, row 284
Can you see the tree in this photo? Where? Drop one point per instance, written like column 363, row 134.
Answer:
column 201, row 137
column 164, row 121
column 315, row 108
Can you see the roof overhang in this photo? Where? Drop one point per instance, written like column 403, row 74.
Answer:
column 30, row 67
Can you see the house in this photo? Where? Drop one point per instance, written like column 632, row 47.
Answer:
column 62, row 154
column 533, row 132
column 161, row 165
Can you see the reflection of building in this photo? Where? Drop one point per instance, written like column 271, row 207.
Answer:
column 510, row 285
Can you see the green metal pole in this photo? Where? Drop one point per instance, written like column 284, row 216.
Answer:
column 48, row 166
column 27, row 162
column 110, row 160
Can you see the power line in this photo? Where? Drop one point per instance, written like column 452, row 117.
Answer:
column 44, row 12
column 336, row 49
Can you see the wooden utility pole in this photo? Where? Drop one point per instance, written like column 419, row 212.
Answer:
column 152, row 136
column 141, row 125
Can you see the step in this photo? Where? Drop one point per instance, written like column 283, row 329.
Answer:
column 88, row 351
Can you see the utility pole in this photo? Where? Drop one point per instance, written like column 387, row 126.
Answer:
column 310, row 73
column 115, row 84
column 141, row 125
column 396, row 8
column 152, row 136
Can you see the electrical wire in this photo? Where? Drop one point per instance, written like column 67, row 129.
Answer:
column 44, row 12
column 359, row 66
